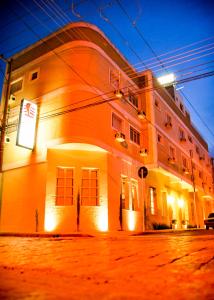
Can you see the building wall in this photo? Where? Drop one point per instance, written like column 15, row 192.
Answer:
column 23, row 199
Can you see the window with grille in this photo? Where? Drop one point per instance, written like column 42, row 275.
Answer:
column 64, row 186
column 125, row 192
column 134, row 195
column 116, row 122
column 132, row 98
column 16, row 86
column 89, row 187
column 134, row 136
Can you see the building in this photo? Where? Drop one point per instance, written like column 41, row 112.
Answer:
column 100, row 127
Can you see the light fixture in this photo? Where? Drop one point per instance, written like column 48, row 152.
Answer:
column 120, row 137
column 186, row 171
column 141, row 115
column 7, row 139
column 166, row 79
column 143, row 152
column 119, row 94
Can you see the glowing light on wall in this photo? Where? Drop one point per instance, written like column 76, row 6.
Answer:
column 170, row 199
column 181, row 203
column 131, row 220
column 27, row 124
column 102, row 220
column 50, row 221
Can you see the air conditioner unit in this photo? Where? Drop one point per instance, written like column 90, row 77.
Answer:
column 141, row 115
column 171, row 160
column 143, row 152
column 120, row 137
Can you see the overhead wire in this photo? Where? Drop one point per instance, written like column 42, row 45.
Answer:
column 91, row 104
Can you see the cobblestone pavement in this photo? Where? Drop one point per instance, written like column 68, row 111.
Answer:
column 120, row 266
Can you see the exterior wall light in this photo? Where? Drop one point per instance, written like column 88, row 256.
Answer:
column 166, row 79
column 119, row 94
column 186, row 171
column 171, row 160
column 141, row 115
column 143, row 152
column 120, row 137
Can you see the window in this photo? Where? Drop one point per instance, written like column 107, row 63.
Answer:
column 190, row 138
column 182, row 135
column 160, row 138
column 125, row 192
column 64, row 186
column 116, row 122
column 115, row 79
column 157, row 103
column 184, row 162
column 197, row 149
column 134, row 195
column 134, row 136
column 89, row 187
column 168, row 121
column 132, row 98
column 172, row 152
column 181, row 107
column 153, row 200
column 16, row 86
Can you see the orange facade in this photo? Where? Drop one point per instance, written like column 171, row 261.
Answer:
column 96, row 128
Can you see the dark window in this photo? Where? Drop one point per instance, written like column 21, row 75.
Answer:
column 16, row 86
column 34, row 75
column 116, row 122
column 134, row 136
column 133, row 99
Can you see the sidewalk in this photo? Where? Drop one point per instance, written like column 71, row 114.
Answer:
column 95, row 234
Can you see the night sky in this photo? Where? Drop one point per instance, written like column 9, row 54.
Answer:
column 165, row 36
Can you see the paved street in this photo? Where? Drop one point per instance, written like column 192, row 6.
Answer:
column 116, row 266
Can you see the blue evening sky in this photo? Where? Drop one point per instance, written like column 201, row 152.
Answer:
column 141, row 30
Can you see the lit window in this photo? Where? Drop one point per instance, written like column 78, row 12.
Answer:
column 134, row 195
column 133, row 99
column 153, row 200
column 125, row 192
column 16, row 86
column 89, row 187
column 116, row 122
column 134, row 136
column 64, row 186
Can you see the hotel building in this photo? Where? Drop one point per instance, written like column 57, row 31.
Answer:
column 112, row 148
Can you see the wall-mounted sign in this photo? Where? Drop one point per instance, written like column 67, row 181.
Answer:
column 142, row 172
column 27, row 124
